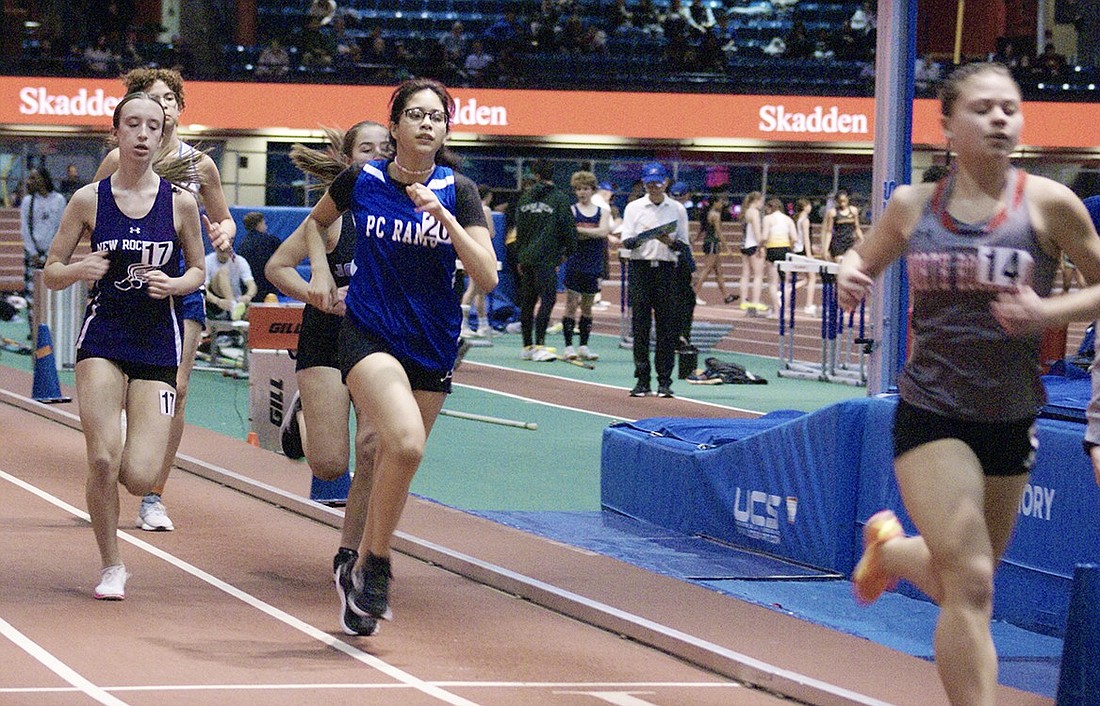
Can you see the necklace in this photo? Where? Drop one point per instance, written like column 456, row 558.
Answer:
column 424, row 172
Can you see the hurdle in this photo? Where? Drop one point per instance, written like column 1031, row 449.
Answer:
column 835, row 340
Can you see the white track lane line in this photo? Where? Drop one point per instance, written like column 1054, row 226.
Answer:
column 56, row 666
column 281, row 616
column 584, row 382
column 336, row 686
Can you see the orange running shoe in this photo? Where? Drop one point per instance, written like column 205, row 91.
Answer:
column 868, row 580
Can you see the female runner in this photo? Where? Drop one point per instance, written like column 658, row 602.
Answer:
column 130, row 344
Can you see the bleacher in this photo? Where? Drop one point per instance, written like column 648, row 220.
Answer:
column 632, row 59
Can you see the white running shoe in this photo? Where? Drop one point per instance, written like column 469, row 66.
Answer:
column 699, row 301
column 153, row 517
column 112, row 583
column 811, row 309
column 514, row 327
column 542, row 354
column 554, row 328
column 586, row 354
column 569, row 353
column 527, row 353
column 467, row 332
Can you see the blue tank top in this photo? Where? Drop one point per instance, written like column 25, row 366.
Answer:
column 588, row 256
column 961, row 363
column 121, row 321
column 400, row 290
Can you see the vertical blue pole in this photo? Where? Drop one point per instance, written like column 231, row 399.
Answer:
column 892, row 165
column 1079, row 678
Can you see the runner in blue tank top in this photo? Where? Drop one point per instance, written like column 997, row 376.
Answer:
column 130, row 344
column 318, row 420
column 399, row 339
column 963, row 430
column 166, row 85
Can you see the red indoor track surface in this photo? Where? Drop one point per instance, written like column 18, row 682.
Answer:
column 237, row 606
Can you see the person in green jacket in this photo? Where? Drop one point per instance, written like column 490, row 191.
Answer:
column 545, row 234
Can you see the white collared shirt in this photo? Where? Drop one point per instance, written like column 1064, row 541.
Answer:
column 642, row 214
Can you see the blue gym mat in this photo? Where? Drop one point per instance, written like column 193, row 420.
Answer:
column 1027, row 660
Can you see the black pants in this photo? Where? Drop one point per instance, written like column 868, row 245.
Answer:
column 536, row 282
column 685, row 302
column 653, row 299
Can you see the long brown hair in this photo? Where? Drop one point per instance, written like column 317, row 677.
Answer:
column 325, row 164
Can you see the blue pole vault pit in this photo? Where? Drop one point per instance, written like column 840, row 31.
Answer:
column 800, row 486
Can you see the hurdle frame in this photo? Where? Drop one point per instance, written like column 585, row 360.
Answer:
column 834, row 339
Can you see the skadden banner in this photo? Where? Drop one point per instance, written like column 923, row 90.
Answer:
column 518, row 113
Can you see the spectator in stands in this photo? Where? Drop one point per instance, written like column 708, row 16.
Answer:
column 545, row 235
column 322, row 12
column 1007, row 55
column 230, row 287
column 479, row 63
column 99, row 59
column 455, row 44
column 574, row 34
column 545, row 26
column 926, row 73
column 678, row 52
column 585, row 265
column 655, row 230
column 274, row 61
column 256, row 247
column 39, row 218
column 130, row 344
column 71, row 182
column 799, row 44
column 841, row 229
column 753, row 255
column 710, row 226
column 964, row 428
column 698, row 16
column 1051, row 65
column 376, row 51
column 863, row 19
column 505, row 34
column 619, row 20
column 130, row 57
column 648, row 19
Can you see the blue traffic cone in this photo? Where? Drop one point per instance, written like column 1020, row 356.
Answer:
column 47, row 388
column 1079, row 679
column 330, row 492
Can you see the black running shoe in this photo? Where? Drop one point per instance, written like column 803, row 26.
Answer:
column 664, row 391
column 371, row 588
column 641, row 390
column 463, row 348
column 351, row 622
column 344, row 555
column 291, row 434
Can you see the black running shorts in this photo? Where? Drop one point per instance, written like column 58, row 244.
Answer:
column 1003, row 448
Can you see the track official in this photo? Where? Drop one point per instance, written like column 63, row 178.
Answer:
column 655, row 230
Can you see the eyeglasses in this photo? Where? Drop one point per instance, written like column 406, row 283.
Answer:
column 416, row 115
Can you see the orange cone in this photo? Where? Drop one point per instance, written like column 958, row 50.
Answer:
column 253, row 439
